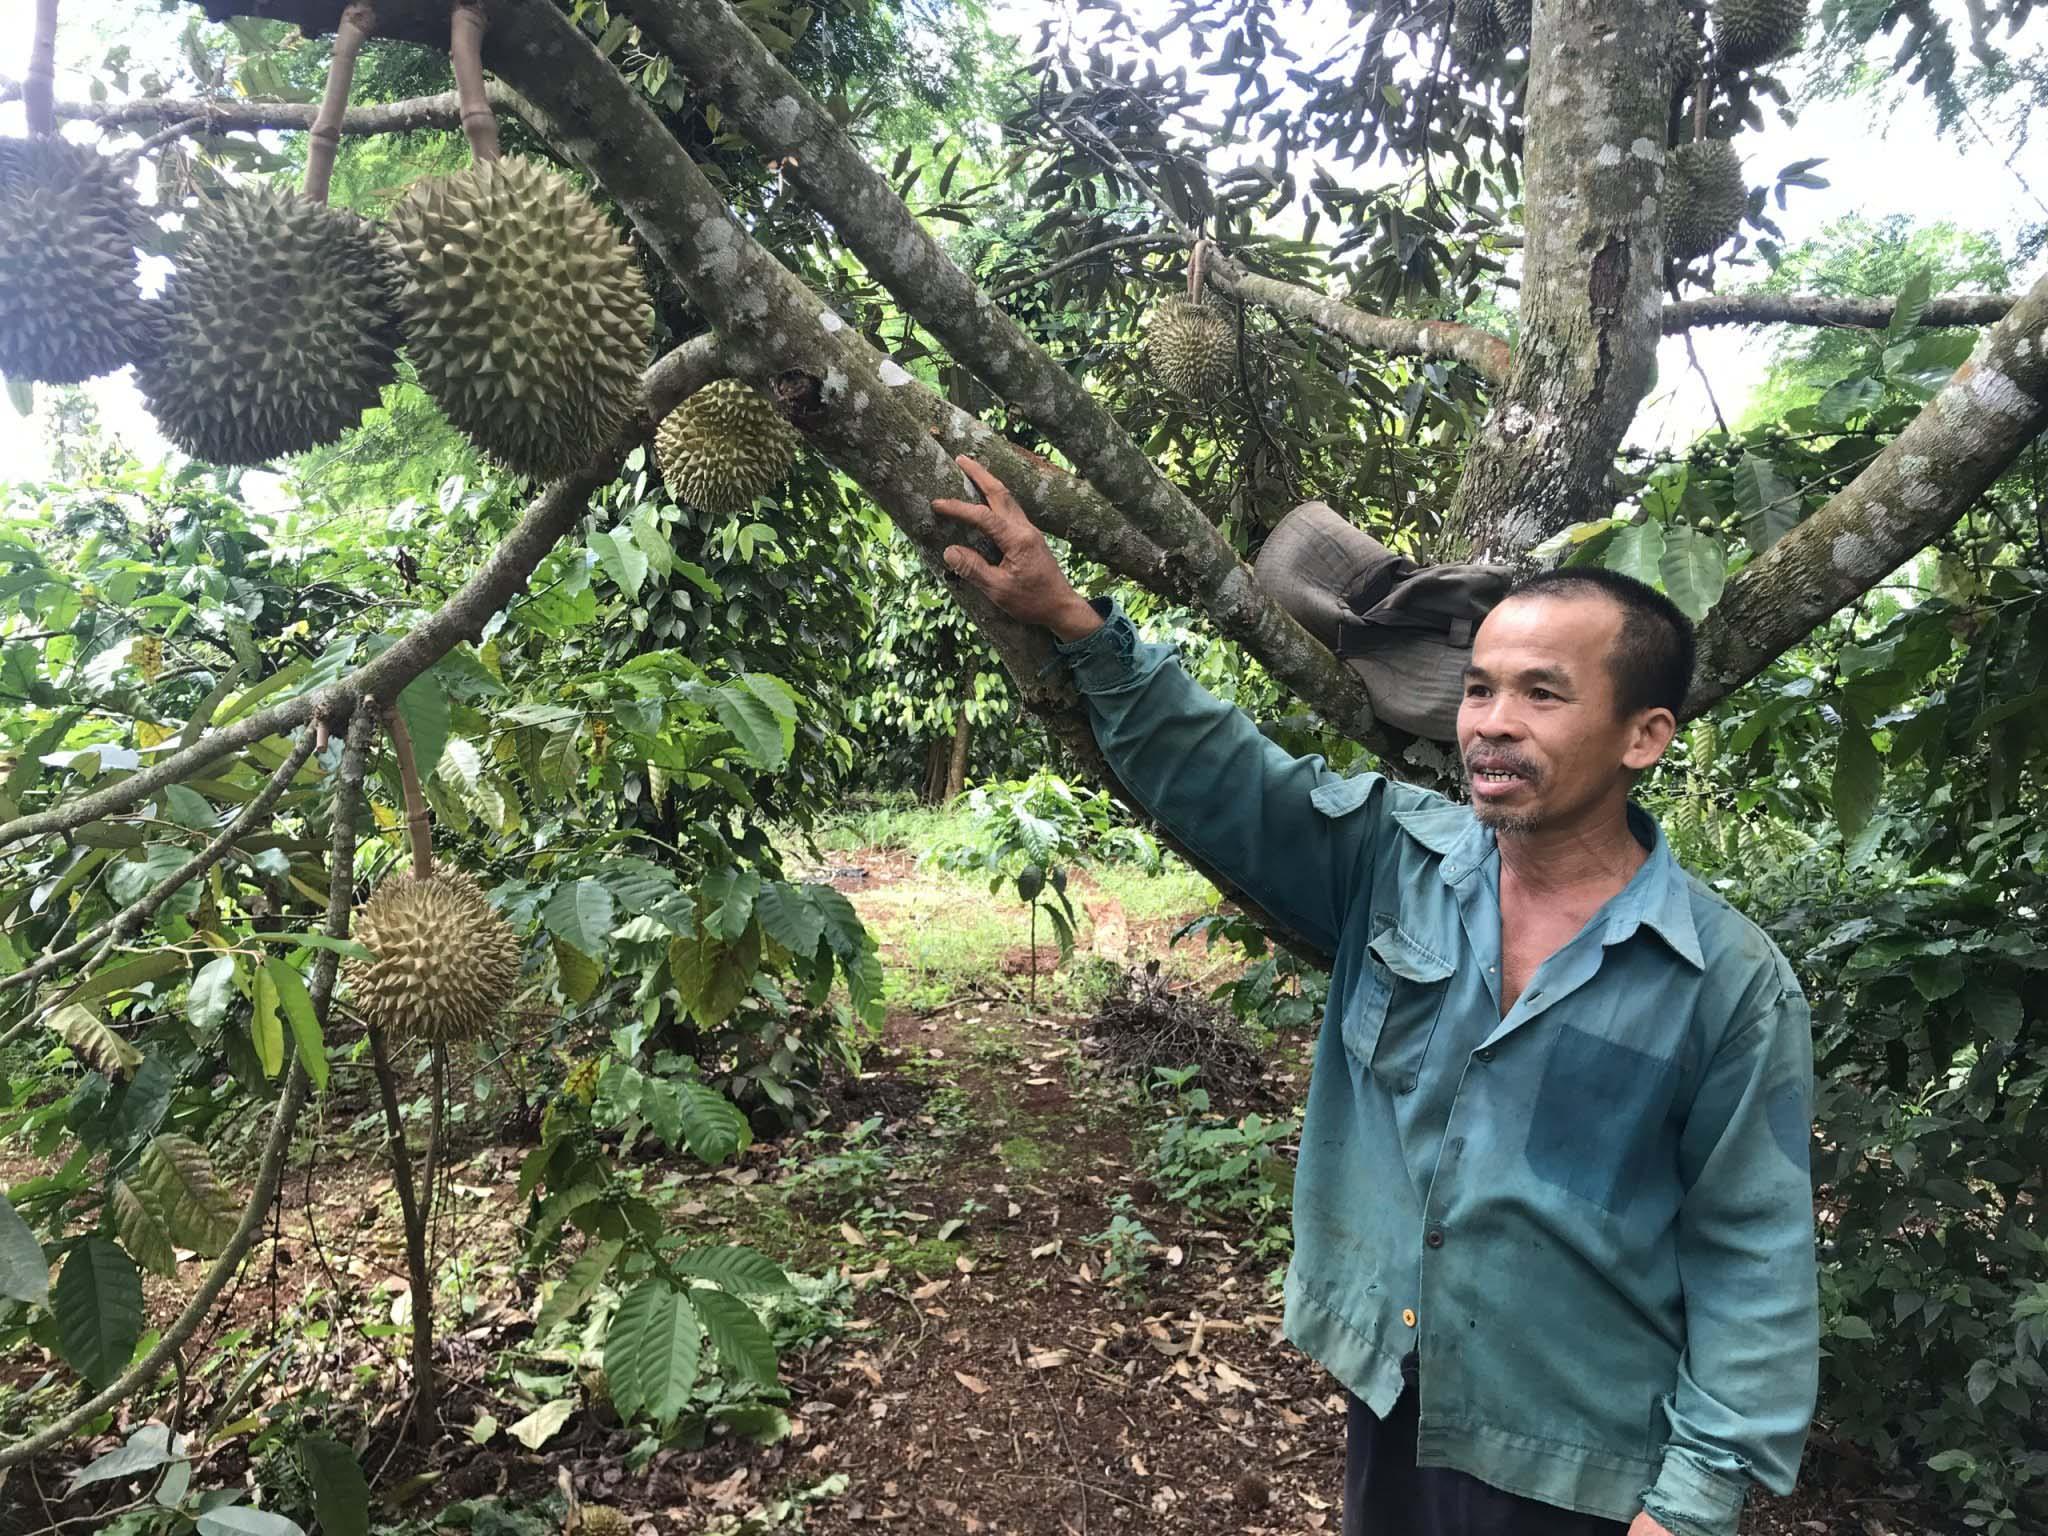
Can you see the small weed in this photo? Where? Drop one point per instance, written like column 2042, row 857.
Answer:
column 1127, row 1246
column 1022, row 1155
column 854, row 1171
column 1219, row 1167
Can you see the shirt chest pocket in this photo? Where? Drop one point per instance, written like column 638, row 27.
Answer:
column 1399, row 998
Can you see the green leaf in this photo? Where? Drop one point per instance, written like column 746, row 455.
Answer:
column 298, row 1012
column 266, row 1028
column 1859, row 776
column 347, row 948
column 789, row 917
column 98, row 1302
column 1849, row 397
column 578, row 1285
column 341, row 1494
column 1911, row 304
column 24, row 1269
column 1638, row 551
column 21, row 394
column 647, row 533
column 726, row 900
column 179, row 1176
column 580, row 913
column 763, row 732
column 544, row 1423
column 212, row 994
column 579, row 973
column 864, row 983
column 237, row 1520
column 651, row 1351
column 128, row 975
column 739, row 1270
column 424, row 709
column 844, row 930
column 1851, row 1327
column 1030, row 881
column 623, row 560
column 93, row 1042
column 744, row 1348
column 140, row 1224
column 1695, row 568
column 147, row 1449
column 712, row 1123
column 712, row 977
column 1768, row 502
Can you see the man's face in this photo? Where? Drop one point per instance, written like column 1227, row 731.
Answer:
column 1543, row 742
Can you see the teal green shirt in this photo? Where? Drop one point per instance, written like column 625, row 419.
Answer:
column 1591, row 1217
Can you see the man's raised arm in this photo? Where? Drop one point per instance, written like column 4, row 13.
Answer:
column 1295, row 836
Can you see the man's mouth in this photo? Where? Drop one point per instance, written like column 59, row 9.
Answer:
column 1496, row 777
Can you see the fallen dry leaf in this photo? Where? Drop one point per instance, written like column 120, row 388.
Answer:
column 852, row 1234
column 973, row 1384
column 1046, row 1359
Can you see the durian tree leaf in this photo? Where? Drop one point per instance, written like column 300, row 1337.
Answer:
column 578, row 1285
column 712, row 1124
column 579, row 973
column 623, row 559
column 711, row 977
column 341, row 1494
column 24, row 1268
column 94, row 1042
column 98, row 1304
column 745, row 1351
column 652, row 1350
column 1638, row 551
column 423, row 706
column 1859, row 776
column 742, row 1271
column 141, row 1227
column 653, row 542
column 179, row 1176
column 580, row 913
column 299, row 1014
column 764, row 734
column 726, row 899
column 266, row 1022
column 1695, row 568
column 212, row 994
column 239, row 1520
column 789, row 917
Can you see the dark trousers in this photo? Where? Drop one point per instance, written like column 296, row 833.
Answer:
column 1386, row 1494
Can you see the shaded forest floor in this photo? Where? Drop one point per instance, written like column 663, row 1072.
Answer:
column 957, row 1360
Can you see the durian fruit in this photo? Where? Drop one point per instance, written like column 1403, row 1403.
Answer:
column 1752, row 32
column 70, row 307
column 1515, row 17
column 278, row 328
column 1191, row 348
column 525, row 312
column 1704, row 197
column 1476, row 35
column 445, row 964
column 724, row 446
column 603, row 1520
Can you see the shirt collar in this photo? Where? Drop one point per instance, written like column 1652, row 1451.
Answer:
column 1658, row 895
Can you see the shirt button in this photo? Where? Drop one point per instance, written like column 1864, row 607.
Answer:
column 1486, row 1053
column 1434, row 1237
column 1408, row 1316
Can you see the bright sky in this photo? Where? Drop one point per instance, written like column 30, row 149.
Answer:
column 1876, row 166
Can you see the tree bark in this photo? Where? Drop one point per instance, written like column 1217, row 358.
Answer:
column 956, row 763
column 1598, row 97
column 1967, row 436
column 1828, row 309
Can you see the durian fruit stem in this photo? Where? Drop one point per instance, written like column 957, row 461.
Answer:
column 466, row 53
column 426, row 1411
column 39, row 87
column 1699, row 107
column 325, row 138
column 419, row 835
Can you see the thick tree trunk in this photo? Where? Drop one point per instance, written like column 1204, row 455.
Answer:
column 938, row 752
column 1599, row 94
column 956, row 762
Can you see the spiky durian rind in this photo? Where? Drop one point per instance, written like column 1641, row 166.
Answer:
column 723, row 447
column 1191, row 348
column 1748, row 33
column 1705, row 198
column 70, row 306
column 444, row 962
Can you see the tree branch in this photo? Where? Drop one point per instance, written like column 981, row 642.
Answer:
column 679, row 374
column 270, row 1171
column 1480, row 350
column 1924, row 480
column 1079, row 259
column 211, row 115
column 719, row 54
column 1828, row 309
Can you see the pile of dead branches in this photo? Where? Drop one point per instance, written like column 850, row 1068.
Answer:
column 1145, row 1024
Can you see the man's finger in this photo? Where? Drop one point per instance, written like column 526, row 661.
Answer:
column 972, row 513
column 992, row 489
column 969, row 567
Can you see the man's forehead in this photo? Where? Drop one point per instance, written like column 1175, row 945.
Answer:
column 1562, row 628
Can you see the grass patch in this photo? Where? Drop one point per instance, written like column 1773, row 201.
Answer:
column 1021, row 1154
column 893, row 823
column 1179, row 892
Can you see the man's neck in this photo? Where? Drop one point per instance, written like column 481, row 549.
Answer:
column 1598, row 853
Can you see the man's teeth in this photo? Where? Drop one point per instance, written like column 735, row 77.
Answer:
column 1497, row 775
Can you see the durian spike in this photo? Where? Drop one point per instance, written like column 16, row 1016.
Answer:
column 350, row 32
column 39, row 86
column 418, row 834
column 466, row 54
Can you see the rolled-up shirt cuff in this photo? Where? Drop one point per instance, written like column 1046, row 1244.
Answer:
column 1692, row 1498
column 1107, row 659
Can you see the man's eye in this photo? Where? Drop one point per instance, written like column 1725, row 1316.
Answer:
column 1541, row 693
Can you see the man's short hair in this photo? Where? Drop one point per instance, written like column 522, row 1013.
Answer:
column 1653, row 655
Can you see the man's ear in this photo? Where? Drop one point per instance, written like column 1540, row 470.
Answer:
column 1649, row 739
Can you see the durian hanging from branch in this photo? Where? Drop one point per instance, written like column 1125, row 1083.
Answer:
column 1705, row 198
column 70, row 298
column 723, row 447
column 279, row 326
column 526, row 314
column 1189, row 343
column 1749, row 33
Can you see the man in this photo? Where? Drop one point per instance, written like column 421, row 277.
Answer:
column 1553, row 1219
